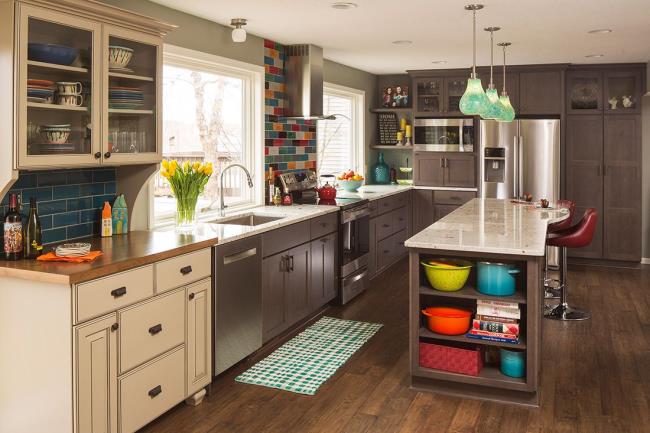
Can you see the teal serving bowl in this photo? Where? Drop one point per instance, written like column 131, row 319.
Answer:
column 350, row 185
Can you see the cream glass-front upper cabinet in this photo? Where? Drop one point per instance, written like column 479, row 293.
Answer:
column 87, row 80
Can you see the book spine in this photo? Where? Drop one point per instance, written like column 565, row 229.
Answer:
column 498, row 312
column 493, row 338
column 498, row 327
column 495, row 319
column 499, row 304
column 480, row 333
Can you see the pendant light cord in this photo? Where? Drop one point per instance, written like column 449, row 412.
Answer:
column 504, row 70
column 491, row 57
column 474, row 44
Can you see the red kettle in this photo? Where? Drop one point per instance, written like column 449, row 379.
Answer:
column 327, row 191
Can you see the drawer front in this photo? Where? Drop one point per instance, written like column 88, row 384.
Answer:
column 97, row 297
column 453, row 197
column 150, row 329
column 384, row 205
column 385, row 253
column 148, row 392
column 400, row 199
column 324, row 225
column 400, row 219
column 372, row 207
column 384, row 226
column 285, row 238
column 399, row 238
column 181, row 270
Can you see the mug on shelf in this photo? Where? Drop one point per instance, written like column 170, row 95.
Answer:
column 71, row 99
column 69, row 87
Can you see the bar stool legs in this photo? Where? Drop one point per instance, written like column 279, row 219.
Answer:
column 563, row 311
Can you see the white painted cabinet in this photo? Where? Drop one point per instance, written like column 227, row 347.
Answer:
column 96, row 376
column 199, row 343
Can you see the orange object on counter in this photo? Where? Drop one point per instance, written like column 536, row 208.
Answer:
column 107, row 221
column 51, row 257
column 447, row 320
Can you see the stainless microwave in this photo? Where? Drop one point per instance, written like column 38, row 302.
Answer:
column 444, row 135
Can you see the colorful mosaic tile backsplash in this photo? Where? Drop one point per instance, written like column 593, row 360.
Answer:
column 290, row 145
column 69, row 201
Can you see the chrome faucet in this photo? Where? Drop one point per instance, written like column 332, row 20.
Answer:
column 222, row 208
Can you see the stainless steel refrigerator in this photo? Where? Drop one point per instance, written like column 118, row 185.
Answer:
column 520, row 157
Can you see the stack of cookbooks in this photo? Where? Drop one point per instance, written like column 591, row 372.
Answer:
column 496, row 321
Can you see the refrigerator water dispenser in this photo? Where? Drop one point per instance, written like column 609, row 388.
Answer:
column 494, row 164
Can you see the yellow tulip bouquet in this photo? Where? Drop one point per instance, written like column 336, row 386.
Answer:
column 187, row 182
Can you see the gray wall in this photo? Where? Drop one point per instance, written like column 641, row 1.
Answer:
column 645, row 121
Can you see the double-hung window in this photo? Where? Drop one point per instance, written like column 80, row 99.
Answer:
column 340, row 144
column 212, row 112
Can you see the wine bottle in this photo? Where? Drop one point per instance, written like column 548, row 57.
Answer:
column 33, row 245
column 13, row 231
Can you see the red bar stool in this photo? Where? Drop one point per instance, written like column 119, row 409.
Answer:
column 551, row 285
column 577, row 236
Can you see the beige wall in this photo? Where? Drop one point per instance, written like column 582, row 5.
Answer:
column 645, row 201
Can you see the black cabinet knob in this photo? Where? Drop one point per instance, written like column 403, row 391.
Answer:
column 191, row 296
column 98, row 155
column 114, row 327
column 107, row 155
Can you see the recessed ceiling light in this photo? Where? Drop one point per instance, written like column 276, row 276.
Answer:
column 594, row 56
column 439, row 62
column 599, row 31
column 402, row 42
column 344, row 5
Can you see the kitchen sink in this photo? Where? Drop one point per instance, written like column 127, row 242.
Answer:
column 249, row 220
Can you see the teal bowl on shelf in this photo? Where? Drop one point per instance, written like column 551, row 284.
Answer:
column 350, row 185
column 513, row 363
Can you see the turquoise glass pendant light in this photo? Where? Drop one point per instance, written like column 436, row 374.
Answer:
column 508, row 113
column 474, row 101
column 494, row 109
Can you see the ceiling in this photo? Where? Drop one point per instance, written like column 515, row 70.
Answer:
column 545, row 31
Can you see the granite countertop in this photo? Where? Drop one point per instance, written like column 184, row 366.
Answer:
column 139, row 248
column 490, row 226
column 375, row 192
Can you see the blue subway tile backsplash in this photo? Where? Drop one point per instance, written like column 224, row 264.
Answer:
column 69, row 201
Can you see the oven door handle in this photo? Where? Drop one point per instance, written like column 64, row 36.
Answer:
column 357, row 277
column 355, row 214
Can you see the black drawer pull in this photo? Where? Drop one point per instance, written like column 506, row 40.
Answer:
column 186, row 270
column 323, row 240
column 386, row 251
column 118, row 292
column 155, row 329
column 114, row 327
column 323, row 224
column 455, row 197
column 400, row 219
column 153, row 392
column 385, row 226
column 191, row 296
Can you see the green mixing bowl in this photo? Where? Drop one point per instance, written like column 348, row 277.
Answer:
column 446, row 278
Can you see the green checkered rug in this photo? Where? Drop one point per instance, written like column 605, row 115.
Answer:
column 306, row 361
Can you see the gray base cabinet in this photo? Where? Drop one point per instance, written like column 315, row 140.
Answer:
column 390, row 225
column 323, row 270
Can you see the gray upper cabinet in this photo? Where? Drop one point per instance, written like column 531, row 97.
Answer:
column 622, row 188
column 454, row 89
column 429, row 169
column 429, row 95
column 540, row 92
column 623, row 90
column 460, row 170
column 450, row 169
column 584, row 92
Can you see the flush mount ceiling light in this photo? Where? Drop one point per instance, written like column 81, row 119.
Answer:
column 474, row 101
column 508, row 113
column 344, row 5
column 599, row 31
column 439, row 62
column 238, row 33
column 402, row 42
column 495, row 108
column 594, row 56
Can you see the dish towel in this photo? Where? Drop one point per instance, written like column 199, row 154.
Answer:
column 51, row 257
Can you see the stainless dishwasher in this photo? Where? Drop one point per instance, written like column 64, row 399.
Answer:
column 237, row 301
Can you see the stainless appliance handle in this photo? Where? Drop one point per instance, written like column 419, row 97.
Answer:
column 515, row 166
column 239, row 256
column 520, row 170
column 355, row 214
column 356, row 277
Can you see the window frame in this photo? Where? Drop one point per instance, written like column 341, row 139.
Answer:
column 357, row 121
column 253, row 107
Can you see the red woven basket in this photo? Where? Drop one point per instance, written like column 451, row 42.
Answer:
column 452, row 359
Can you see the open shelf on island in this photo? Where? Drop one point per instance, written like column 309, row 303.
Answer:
column 489, row 375
column 470, row 292
column 424, row 332
column 130, row 76
column 34, row 63
column 56, row 106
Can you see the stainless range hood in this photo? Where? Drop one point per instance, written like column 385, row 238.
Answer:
column 303, row 70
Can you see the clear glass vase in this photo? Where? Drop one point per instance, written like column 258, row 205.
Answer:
column 185, row 214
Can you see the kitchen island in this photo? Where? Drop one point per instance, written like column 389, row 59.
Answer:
column 489, row 230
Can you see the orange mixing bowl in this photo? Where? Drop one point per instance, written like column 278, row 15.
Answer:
column 447, row 320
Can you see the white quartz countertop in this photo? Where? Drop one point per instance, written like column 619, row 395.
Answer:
column 293, row 214
column 375, row 192
column 490, row 226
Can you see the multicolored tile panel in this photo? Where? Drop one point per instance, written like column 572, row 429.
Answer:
column 290, row 145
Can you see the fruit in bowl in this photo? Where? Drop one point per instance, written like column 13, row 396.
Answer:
column 350, row 181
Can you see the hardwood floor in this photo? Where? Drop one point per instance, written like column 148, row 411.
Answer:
column 595, row 377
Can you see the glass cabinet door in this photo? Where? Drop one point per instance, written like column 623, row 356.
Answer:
column 429, row 95
column 132, row 89
column 584, row 92
column 58, row 73
column 623, row 91
column 454, row 89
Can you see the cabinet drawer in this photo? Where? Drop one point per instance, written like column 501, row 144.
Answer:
column 97, row 297
column 372, row 208
column 384, row 253
column 284, row 238
column 453, row 197
column 324, row 225
column 400, row 219
column 399, row 239
column 151, row 390
column 400, row 200
column 181, row 270
column 384, row 226
column 384, row 205
column 150, row 329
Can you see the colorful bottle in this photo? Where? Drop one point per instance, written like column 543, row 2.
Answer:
column 33, row 245
column 380, row 172
column 107, row 221
column 13, row 231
